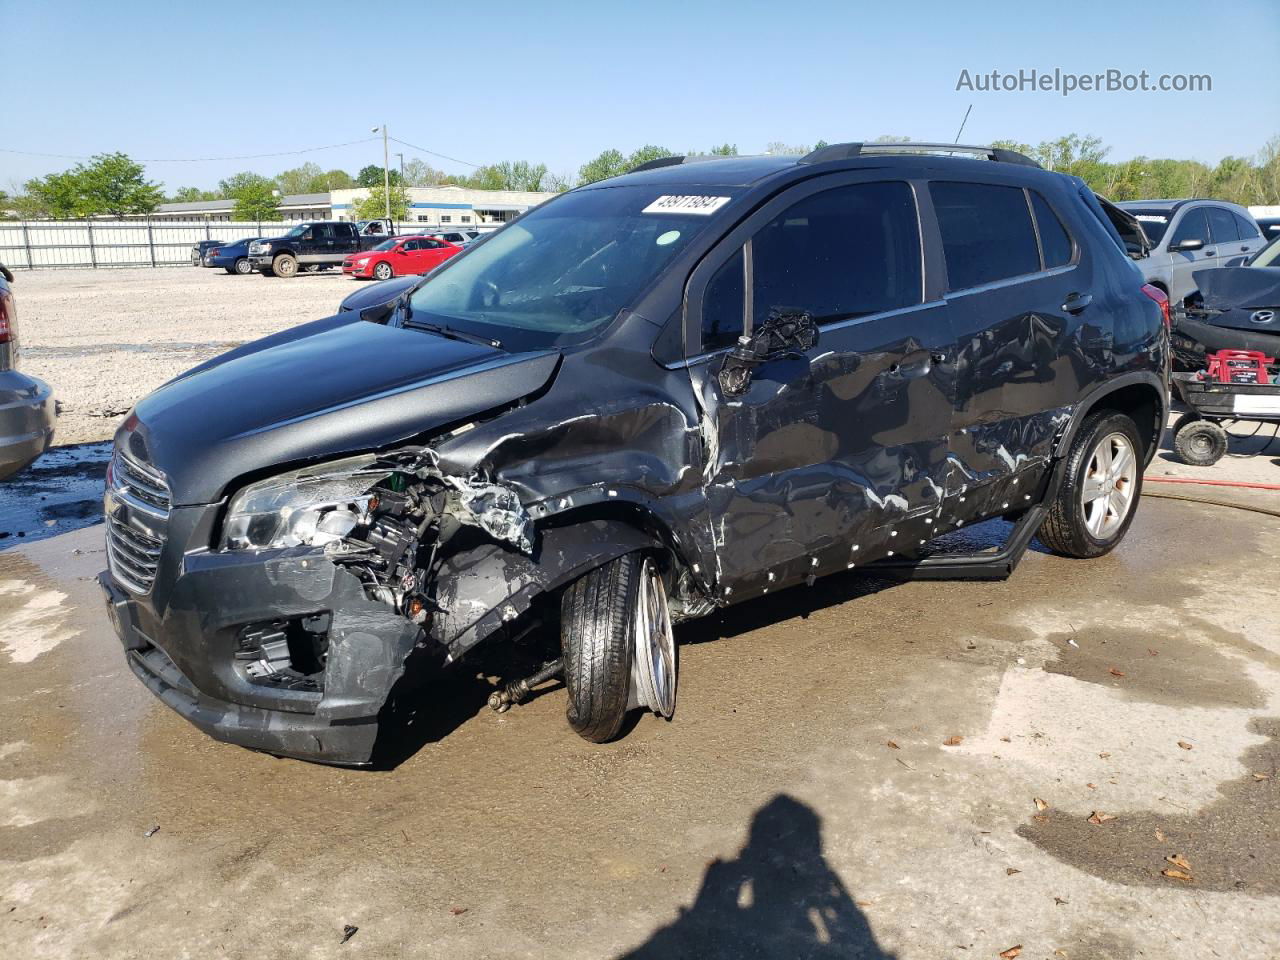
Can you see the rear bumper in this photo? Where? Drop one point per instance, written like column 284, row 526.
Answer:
column 27, row 416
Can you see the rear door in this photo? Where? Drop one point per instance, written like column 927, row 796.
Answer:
column 1225, row 235
column 1019, row 291
column 1251, row 240
column 830, row 450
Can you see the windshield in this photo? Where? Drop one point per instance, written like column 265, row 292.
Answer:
column 1268, row 256
column 560, row 272
column 299, row 230
column 1154, row 223
column 388, row 244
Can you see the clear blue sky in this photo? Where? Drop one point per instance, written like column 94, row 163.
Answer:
column 557, row 82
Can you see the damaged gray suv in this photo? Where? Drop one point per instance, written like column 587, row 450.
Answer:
column 647, row 399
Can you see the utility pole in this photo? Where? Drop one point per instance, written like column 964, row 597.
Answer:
column 401, row 156
column 386, row 169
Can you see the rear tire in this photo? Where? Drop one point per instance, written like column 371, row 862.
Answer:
column 243, row 266
column 1099, row 494
column 285, row 265
column 1201, row 443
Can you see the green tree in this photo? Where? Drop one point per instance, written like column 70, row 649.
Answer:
column 610, row 163
column 193, row 195
column 645, row 154
column 235, row 183
column 374, row 206
column 304, row 179
column 419, row 173
column 778, row 148
column 333, row 180
column 371, row 176
column 56, row 196
column 256, row 197
column 114, row 184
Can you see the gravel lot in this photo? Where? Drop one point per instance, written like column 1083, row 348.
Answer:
column 106, row 338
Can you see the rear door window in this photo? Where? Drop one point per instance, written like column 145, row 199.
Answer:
column 1222, row 225
column 987, row 233
column 1055, row 244
column 722, row 305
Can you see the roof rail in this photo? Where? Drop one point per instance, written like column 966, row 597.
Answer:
column 659, row 162
column 847, row 151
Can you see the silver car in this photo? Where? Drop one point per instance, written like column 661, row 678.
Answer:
column 27, row 408
column 1191, row 235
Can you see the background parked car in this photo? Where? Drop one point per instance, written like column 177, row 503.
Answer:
column 198, row 251
column 27, row 408
column 457, row 236
column 1191, row 235
column 399, row 257
column 315, row 245
column 1270, row 227
column 232, row 257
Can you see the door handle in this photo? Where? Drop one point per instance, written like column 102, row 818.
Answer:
column 1076, row 302
column 1245, row 248
column 1211, row 253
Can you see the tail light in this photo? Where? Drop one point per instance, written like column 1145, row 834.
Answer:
column 8, row 317
column 215, row 252
column 1158, row 295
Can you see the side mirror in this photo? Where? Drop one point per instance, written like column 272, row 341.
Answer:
column 1186, row 246
column 785, row 332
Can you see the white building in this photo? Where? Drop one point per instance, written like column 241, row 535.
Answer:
column 448, row 206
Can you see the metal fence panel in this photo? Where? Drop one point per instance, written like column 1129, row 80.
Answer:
column 40, row 244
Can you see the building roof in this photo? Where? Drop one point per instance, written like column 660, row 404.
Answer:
column 222, row 206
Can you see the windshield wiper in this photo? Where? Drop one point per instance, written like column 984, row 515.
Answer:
column 452, row 334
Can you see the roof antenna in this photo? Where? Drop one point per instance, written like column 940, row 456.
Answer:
column 962, row 123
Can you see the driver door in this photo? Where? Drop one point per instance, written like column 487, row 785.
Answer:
column 829, row 450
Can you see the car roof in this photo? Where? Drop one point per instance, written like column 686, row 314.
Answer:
column 1170, row 205
column 753, row 170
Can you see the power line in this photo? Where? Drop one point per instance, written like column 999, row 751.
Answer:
column 442, row 156
column 245, row 156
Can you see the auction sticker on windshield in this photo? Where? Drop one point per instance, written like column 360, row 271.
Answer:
column 686, row 204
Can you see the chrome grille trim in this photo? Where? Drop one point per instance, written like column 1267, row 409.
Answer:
column 136, row 523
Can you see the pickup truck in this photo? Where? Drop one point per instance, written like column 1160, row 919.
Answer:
column 316, row 245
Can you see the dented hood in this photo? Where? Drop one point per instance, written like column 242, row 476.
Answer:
column 329, row 388
column 1229, row 288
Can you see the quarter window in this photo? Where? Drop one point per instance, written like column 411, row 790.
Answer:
column 1055, row 244
column 1246, row 229
column 722, row 305
column 987, row 234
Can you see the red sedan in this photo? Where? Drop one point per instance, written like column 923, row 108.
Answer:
column 400, row 257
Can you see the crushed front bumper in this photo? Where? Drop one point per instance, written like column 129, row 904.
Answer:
column 185, row 639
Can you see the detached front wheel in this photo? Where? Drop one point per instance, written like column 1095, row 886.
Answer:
column 619, row 650
column 1099, row 494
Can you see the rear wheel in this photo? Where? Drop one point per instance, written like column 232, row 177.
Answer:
column 285, row 265
column 1099, row 493
column 618, row 648
column 1201, row 443
column 383, row 271
column 243, row 266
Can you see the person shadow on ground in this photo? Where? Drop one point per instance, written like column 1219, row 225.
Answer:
column 777, row 898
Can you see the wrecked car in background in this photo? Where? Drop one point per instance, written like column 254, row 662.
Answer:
column 647, row 399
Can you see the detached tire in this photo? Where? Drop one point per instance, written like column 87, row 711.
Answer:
column 1201, row 443
column 285, row 265
column 1099, row 494
column 597, row 639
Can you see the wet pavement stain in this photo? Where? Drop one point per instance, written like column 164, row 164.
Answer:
column 1173, row 669
column 60, row 492
column 1230, row 844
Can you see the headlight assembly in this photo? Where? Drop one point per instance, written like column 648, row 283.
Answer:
column 309, row 507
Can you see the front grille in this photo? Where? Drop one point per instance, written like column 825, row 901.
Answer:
column 132, row 556
column 137, row 518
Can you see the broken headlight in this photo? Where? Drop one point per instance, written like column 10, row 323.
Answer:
column 309, row 507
